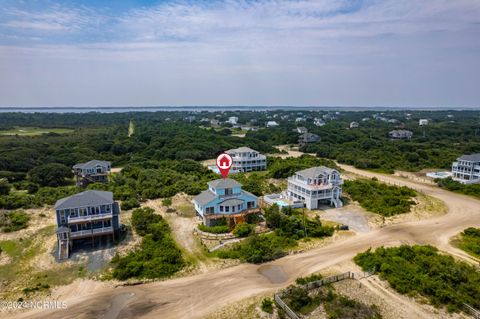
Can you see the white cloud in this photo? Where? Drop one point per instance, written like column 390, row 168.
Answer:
column 243, row 52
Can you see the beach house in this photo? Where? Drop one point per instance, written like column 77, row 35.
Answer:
column 85, row 216
column 225, row 199
column 316, row 186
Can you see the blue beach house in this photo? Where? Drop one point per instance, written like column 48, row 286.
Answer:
column 225, row 198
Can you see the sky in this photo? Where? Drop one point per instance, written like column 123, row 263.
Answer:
column 399, row 53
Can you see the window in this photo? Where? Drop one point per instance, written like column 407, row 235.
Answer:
column 227, row 209
column 209, row 210
column 233, row 209
column 228, row 191
column 221, row 209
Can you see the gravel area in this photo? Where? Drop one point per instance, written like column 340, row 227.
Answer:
column 348, row 215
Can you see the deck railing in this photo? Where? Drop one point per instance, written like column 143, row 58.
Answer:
column 89, row 217
column 86, row 232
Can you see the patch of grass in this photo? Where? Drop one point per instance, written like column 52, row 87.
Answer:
column 469, row 241
column 185, row 210
column 33, row 131
column 19, row 272
column 11, row 247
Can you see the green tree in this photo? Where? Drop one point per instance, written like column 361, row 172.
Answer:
column 4, row 186
column 243, row 230
column 53, row 174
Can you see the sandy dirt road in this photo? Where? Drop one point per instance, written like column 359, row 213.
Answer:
column 196, row 296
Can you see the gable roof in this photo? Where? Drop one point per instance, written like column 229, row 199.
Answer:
column 313, row 172
column 204, row 197
column 92, row 164
column 224, row 183
column 87, row 198
column 470, row 158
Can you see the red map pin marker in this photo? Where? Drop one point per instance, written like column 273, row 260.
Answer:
column 224, row 162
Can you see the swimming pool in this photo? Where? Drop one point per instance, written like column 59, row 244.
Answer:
column 281, row 203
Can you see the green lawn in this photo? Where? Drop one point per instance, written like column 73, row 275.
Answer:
column 32, row 131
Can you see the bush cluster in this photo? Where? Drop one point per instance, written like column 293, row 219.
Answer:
column 454, row 186
column 423, row 271
column 158, row 255
column 13, row 221
column 380, row 198
column 470, row 241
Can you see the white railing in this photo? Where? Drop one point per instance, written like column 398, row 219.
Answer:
column 89, row 217
column 102, row 230
column 82, row 233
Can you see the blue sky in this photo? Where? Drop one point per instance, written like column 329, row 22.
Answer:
column 331, row 52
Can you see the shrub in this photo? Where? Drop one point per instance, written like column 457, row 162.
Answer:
column 258, row 248
column 13, row 221
column 421, row 270
column 143, row 218
column 267, row 305
column 158, row 255
column 454, row 186
column 130, row 203
column 380, row 198
column 470, row 241
column 220, row 229
column 167, row 202
column 243, row 230
column 306, row 280
column 4, row 186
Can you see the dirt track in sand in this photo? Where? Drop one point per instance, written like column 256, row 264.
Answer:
column 196, row 296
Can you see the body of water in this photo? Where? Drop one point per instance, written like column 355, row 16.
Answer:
column 209, row 109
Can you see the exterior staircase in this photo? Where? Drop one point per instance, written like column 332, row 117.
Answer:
column 337, row 202
column 63, row 249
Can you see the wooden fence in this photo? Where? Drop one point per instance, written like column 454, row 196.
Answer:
column 474, row 312
column 309, row 286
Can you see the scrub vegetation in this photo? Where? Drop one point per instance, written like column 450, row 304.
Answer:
column 158, row 255
column 13, row 221
column 421, row 271
column 288, row 227
column 380, row 198
column 335, row 305
column 161, row 158
column 470, row 241
column 454, row 186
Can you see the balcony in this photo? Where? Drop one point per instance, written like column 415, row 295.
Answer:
column 303, row 183
column 91, row 232
column 89, row 218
